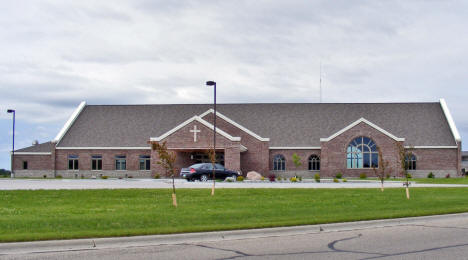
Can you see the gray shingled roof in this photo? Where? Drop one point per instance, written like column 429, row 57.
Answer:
column 286, row 124
column 39, row 148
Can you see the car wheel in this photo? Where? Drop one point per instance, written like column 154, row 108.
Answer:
column 204, row 178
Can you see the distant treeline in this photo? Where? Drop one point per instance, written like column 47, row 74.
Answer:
column 4, row 172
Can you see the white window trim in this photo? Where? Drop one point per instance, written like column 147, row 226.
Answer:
column 355, row 123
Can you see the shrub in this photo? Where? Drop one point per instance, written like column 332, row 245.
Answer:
column 157, row 176
column 409, row 176
column 120, row 177
column 317, row 177
column 104, row 177
column 279, row 178
column 299, row 178
column 363, row 176
column 58, row 176
column 44, row 176
column 293, row 179
column 272, row 177
column 335, row 180
column 387, row 176
column 240, row 178
column 339, row 175
column 82, row 176
column 130, row 176
column 447, row 176
column 431, row 175
column 345, row 180
column 229, row 180
column 262, row 178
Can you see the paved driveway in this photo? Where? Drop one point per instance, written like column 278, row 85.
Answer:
column 54, row 184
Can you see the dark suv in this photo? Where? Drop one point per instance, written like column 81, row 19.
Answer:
column 204, row 172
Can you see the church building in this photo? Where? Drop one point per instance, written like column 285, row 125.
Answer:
column 329, row 138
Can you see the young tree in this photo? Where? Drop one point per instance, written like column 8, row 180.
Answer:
column 167, row 161
column 212, row 156
column 404, row 154
column 297, row 161
column 381, row 170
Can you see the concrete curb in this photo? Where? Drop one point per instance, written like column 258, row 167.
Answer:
column 189, row 238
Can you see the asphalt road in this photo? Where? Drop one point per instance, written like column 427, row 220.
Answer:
column 439, row 237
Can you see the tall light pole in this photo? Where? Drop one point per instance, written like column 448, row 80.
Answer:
column 13, row 151
column 213, row 83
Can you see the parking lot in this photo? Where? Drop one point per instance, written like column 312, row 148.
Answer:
column 54, row 184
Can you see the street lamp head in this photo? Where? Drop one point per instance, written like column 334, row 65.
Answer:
column 211, row 83
column 10, row 110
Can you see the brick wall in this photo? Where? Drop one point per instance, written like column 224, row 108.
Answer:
column 108, row 162
column 334, row 152
column 256, row 158
column 291, row 169
column 35, row 162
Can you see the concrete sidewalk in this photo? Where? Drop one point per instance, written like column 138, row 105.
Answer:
column 70, row 184
column 187, row 238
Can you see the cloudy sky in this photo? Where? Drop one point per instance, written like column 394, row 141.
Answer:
column 55, row 54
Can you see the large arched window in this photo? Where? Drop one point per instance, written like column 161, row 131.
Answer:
column 314, row 163
column 279, row 163
column 362, row 153
column 410, row 161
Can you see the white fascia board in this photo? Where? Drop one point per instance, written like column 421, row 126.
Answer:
column 431, row 147
column 103, row 148
column 200, row 120
column 32, row 153
column 450, row 121
column 234, row 123
column 70, row 122
column 362, row 120
column 243, row 149
column 296, row 148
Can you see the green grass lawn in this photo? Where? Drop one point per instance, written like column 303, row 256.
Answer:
column 64, row 214
column 462, row 180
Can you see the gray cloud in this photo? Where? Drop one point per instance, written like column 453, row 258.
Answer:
column 55, row 54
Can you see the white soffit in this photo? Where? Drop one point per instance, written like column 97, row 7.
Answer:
column 103, row 148
column 70, row 122
column 32, row 153
column 234, row 123
column 295, row 148
column 362, row 120
column 431, row 147
column 200, row 120
column 450, row 121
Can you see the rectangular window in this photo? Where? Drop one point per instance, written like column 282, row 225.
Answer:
column 120, row 162
column 96, row 162
column 145, row 162
column 73, row 162
column 25, row 165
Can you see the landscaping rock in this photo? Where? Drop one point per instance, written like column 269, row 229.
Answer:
column 254, row 176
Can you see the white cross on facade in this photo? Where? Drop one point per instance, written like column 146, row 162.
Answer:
column 195, row 131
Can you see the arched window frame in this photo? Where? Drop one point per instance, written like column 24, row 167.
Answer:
column 314, row 162
column 410, row 160
column 279, row 163
column 362, row 153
